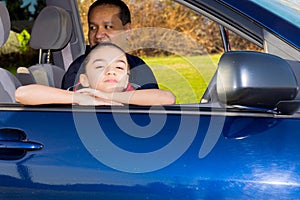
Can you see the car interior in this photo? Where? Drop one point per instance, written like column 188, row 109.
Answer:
column 54, row 44
column 42, row 39
column 8, row 82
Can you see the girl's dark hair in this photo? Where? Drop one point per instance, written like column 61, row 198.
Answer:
column 124, row 13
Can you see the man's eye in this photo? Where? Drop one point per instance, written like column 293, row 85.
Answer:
column 108, row 27
column 100, row 67
column 92, row 27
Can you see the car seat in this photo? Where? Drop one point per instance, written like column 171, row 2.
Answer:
column 8, row 82
column 51, row 31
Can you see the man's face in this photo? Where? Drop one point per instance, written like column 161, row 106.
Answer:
column 104, row 24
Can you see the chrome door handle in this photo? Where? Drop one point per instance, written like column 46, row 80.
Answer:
column 21, row 145
column 14, row 144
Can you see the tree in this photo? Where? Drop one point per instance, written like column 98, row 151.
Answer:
column 40, row 4
column 21, row 23
column 83, row 6
column 171, row 15
column 16, row 11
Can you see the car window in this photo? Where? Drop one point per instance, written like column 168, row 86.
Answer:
column 184, row 55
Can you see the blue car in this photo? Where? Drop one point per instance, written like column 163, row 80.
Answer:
column 238, row 140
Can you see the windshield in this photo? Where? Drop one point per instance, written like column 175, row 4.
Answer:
column 287, row 9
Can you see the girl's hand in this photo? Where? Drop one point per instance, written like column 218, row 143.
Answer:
column 89, row 96
column 94, row 93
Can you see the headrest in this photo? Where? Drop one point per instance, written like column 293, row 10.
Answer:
column 52, row 29
column 8, row 85
column 4, row 24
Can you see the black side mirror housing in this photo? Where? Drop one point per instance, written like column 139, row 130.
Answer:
column 254, row 79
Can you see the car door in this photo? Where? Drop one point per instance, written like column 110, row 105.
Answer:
column 157, row 153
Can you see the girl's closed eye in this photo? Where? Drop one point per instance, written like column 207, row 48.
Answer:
column 100, row 67
column 121, row 66
column 99, row 64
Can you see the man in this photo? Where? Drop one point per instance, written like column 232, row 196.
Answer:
column 106, row 19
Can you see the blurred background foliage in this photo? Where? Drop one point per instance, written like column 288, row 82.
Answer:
column 16, row 51
column 168, row 15
column 172, row 15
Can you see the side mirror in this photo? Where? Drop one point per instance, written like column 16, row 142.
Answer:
column 254, row 79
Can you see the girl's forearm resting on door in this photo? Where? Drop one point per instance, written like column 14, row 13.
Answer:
column 39, row 94
column 137, row 97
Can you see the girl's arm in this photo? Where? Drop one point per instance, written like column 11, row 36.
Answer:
column 39, row 94
column 137, row 97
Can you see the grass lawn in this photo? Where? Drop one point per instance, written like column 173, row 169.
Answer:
column 186, row 77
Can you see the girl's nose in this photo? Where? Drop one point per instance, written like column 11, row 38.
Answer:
column 110, row 70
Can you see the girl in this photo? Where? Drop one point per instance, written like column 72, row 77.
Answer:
column 104, row 80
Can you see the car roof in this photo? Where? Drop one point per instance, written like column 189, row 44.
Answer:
column 271, row 20
column 250, row 19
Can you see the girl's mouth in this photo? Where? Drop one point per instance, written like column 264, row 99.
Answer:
column 111, row 81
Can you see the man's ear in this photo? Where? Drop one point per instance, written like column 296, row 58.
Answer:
column 84, row 81
column 127, row 26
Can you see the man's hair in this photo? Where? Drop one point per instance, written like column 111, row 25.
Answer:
column 124, row 14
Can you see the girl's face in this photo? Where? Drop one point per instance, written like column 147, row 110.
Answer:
column 106, row 70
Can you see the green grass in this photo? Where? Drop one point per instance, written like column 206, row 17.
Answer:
column 187, row 77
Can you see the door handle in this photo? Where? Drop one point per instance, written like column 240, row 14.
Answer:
column 21, row 145
column 14, row 144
